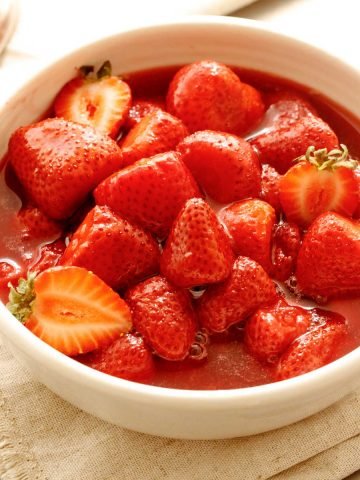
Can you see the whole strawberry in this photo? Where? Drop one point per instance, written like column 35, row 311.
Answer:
column 127, row 357
column 197, row 251
column 156, row 132
column 164, row 316
column 209, row 95
column 118, row 251
column 247, row 289
column 60, row 162
column 225, row 166
column 312, row 350
column 250, row 224
column 321, row 181
column 286, row 243
column 272, row 329
column 140, row 108
column 328, row 263
column 293, row 127
column 150, row 192
column 35, row 224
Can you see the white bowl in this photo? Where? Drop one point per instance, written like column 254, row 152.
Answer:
column 170, row 412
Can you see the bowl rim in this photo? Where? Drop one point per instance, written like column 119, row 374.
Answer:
column 31, row 345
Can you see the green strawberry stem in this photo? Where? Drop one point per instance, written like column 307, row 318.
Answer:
column 324, row 160
column 22, row 297
column 87, row 71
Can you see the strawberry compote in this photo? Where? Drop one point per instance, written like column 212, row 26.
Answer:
column 219, row 354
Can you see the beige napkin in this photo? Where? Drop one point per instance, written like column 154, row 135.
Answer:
column 44, row 438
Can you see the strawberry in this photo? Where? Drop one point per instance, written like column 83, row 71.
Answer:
column 35, row 224
column 71, row 309
column 272, row 329
column 247, row 289
column 140, row 108
column 127, row 357
column 328, row 263
column 312, row 350
column 225, row 166
column 357, row 176
column 150, row 192
column 320, row 182
column 197, row 251
column 207, row 95
column 287, row 106
column 156, row 132
column 60, row 162
column 118, row 251
column 49, row 256
column 270, row 182
column 100, row 100
column 285, row 247
column 250, row 224
column 288, row 136
column 10, row 272
column 164, row 316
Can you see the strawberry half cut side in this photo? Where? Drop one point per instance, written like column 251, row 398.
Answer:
column 102, row 100
column 71, row 309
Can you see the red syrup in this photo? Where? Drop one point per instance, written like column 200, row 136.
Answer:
column 227, row 365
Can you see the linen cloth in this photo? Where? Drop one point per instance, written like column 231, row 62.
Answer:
column 43, row 437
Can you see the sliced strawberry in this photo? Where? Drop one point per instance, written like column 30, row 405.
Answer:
column 312, row 350
column 208, row 95
column 150, row 192
column 250, row 224
column 60, row 162
column 197, row 251
column 71, row 309
column 225, row 166
column 247, row 289
column 116, row 250
column 285, row 248
column 320, row 182
column 328, row 263
column 102, row 101
column 156, row 132
column 127, row 357
column 272, row 329
column 270, row 184
column 163, row 314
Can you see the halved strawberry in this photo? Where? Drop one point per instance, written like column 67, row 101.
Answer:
column 102, row 101
column 71, row 309
column 322, row 181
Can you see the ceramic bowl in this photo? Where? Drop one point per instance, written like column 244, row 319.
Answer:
column 169, row 412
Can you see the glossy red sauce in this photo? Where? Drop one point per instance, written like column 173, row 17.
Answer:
column 227, row 365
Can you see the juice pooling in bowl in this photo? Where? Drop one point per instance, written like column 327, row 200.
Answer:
column 219, row 205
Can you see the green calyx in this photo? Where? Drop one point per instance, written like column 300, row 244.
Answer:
column 324, row 160
column 22, row 297
column 88, row 71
